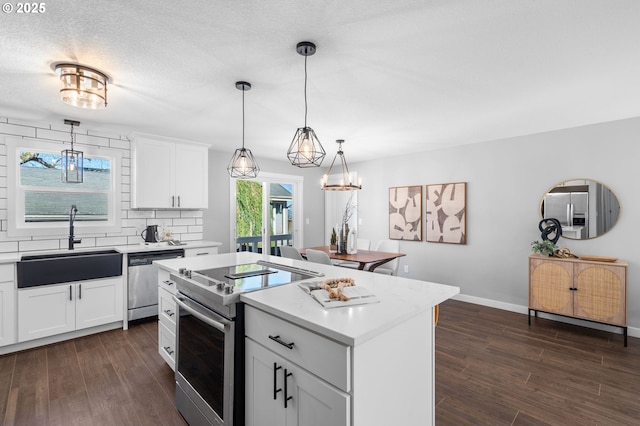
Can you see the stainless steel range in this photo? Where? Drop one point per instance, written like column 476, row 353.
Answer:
column 210, row 343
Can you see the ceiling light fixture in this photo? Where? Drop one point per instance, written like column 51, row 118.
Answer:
column 305, row 149
column 346, row 180
column 82, row 86
column 242, row 164
column 72, row 160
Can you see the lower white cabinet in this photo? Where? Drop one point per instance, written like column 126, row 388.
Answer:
column 167, row 311
column 7, row 305
column 294, row 376
column 280, row 393
column 54, row 309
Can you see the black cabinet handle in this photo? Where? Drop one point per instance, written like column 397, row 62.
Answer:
column 283, row 343
column 167, row 282
column 79, row 291
column 168, row 312
column 168, row 350
column 286, row 395
column 275, row 376
column 70, row 294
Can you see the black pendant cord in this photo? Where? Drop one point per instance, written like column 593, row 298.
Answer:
column 243, row 90
column 305, row 91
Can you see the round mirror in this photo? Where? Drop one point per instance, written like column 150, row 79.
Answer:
column 585, row 208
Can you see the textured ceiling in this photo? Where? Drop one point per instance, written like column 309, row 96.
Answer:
column 389, row 76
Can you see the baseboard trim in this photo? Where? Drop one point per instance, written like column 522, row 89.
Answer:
column 631, row 331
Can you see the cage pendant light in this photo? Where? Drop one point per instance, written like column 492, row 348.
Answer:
column 72, row 161
column 346, row 180
column 242, row 164
column 305, row 149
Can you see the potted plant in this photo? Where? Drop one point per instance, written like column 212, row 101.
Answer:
column 333, row 245
column 545, row 247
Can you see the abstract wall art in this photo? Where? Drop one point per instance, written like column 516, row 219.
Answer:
column 447, row 213
column 405, row 213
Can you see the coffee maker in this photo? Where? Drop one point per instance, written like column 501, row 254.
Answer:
column 150, row 235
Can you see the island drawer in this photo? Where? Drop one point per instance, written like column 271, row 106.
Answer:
column 166, row 308
column 321, row 356
column 164, row 281
column 167, row 345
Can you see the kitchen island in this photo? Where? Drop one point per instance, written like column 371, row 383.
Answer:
column 362, row 365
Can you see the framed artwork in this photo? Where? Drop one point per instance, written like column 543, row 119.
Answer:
column 405, row 213
column 447, row 213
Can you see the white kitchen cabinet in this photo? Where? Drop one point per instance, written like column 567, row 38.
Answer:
column 54, row 309
column 7, row 305
column 292, row 375
column 167, row 311
column 200, row 251
column 168, row 174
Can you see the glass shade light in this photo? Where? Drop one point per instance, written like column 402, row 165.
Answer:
column 82, row 86
column 72, row 161
column 346, row 179
column 242, row 164
column 305, row 149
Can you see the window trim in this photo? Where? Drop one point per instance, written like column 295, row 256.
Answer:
column 16, row 225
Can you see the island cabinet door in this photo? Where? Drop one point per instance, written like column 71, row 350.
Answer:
column 313, row 402
column 264, row 386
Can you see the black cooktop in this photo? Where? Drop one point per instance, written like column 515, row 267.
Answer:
column 253, row 276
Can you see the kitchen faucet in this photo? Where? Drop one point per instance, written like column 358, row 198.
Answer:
column 72, row 216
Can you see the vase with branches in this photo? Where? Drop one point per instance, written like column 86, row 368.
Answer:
column 349, row 210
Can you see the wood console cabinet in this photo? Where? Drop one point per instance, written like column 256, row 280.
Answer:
column 588, row 290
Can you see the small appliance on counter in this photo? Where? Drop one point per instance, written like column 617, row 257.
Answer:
column 150, row 235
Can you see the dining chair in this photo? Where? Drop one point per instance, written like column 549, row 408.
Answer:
column 391, row 267
column 318, row 256
column 290, row 252
column 361, row 244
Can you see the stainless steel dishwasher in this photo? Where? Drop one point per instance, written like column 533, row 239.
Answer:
column 143, row 281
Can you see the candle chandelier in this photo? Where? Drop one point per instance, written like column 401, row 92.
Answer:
column 346, row 179
column 242, row 164
column 305, row 149
column 72, row 160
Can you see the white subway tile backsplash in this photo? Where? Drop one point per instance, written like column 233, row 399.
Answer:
column 17, row 130
column 111, row 241
column 186, row 225
column 38, row 245
column 8, row 246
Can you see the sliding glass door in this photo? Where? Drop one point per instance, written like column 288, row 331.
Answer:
column 266, row 213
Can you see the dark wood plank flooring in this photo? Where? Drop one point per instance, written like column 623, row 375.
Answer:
column 491, row 369
column 112, row 378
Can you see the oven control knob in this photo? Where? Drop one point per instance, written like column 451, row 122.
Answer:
column 229, row 289
column 220, row 285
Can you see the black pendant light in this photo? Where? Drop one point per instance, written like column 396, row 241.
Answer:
column 242, row 164
column 72, row 160
column 346, row 180
column 305, row 149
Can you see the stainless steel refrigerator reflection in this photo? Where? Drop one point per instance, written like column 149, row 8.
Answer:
column 570, row 208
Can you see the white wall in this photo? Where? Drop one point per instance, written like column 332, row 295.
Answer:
column 185, row 224
column 505, row 182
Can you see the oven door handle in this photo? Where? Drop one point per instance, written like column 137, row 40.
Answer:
column 218, row 322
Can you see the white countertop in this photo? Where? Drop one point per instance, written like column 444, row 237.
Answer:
column 400, row 298
column 132, row 248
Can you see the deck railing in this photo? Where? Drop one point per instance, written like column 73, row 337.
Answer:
column 254, row 243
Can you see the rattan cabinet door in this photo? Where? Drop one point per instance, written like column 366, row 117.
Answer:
column 601, row 293
column 550, row 283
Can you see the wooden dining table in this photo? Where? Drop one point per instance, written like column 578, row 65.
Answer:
column 362, row 257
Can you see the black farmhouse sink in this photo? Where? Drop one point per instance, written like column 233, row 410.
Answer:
column 58, row 268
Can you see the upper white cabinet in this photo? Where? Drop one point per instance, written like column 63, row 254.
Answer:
column 168, row 174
